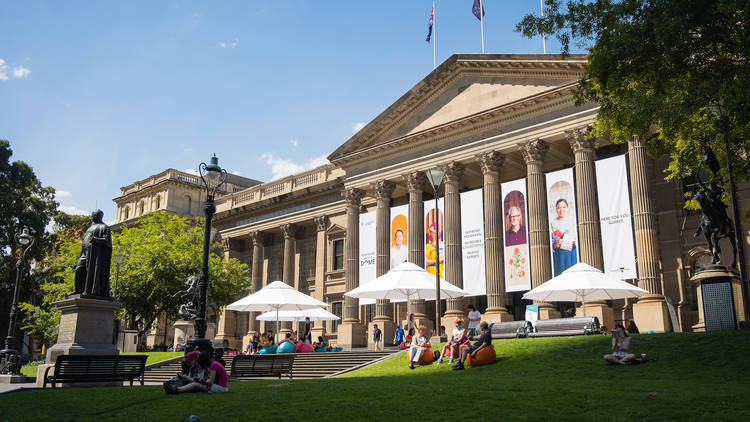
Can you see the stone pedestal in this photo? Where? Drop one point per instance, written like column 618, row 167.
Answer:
column 650, row 313
column 499, row 316
column 15, row 379
column 183, row 330
column 600, row 310
column 718, row 273
column 547, row 311
column 388, row 328
column 86, row 327
column 351, row 335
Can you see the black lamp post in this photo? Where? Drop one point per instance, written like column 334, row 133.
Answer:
column 118, row 258
column 436, row 179
column 11, row 361
column 216, row 177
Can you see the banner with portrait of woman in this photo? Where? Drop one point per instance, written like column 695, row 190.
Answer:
column 434, row 240
column 563, row 225
column 399, row 226
column 515, row 236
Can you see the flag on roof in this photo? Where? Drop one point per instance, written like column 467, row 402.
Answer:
column 476, row 7
column 429, row 24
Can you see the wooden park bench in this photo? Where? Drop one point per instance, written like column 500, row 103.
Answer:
column 96, row 368
column 262, row 365
column 510, row 329
column 565, row 327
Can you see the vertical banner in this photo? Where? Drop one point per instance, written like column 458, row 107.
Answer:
column 366, row 251
column 433, row 233
column 614, row 217
column 563, row 226
column 515, row 236
column 472, row 246
column 399, row 234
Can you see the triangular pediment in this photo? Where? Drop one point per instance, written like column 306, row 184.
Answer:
column 463, row 86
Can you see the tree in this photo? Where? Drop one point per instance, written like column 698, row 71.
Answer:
column 674, row 73
column 24, row 203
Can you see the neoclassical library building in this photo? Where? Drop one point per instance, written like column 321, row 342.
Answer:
column 526, row 194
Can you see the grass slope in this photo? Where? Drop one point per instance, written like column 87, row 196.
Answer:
column 694, row 377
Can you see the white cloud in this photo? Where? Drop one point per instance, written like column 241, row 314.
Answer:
column 72, row 210
column 237, row 173
column 186, row 149
column 60, row 194
column 357, row 127
column 3, row 70
column 281, row 167
column 191, row 171
column 294, row 142
column 20, row 72
column 228, row 44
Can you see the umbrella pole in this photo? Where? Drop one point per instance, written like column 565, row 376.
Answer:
column 583, row 304
column 277, row 326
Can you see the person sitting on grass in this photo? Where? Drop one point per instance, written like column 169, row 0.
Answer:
column 407, row 340
column 419, row 344
column 621, row 344
column 457, row 339
column 216, row 377
column 466, row 350
column 190, row 368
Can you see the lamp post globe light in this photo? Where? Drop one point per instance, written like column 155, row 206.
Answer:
column 435, row 177
column 10, row 363
column 212, row 177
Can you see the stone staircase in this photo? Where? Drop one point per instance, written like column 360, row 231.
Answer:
column 306, row 365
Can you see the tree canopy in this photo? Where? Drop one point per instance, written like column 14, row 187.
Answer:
column 674, row 73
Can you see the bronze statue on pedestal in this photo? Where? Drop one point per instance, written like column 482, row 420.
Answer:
column 92, row 268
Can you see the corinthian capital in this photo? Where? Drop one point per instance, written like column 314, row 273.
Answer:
column 453, row 171
column 534, row 151
column 258, row 238
column 579, row 138
column 415, row 181
column 384, row 189
column 321, row 222
column 354, row 196
column 289, row 231
column 490, row 161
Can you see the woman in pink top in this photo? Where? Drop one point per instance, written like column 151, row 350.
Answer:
column 217, row 379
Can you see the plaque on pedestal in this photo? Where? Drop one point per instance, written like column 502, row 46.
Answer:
column 720, row 304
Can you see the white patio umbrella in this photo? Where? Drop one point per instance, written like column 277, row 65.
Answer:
column 315, row 314
column 276, row 296
column 406, row 281
column 580, row 283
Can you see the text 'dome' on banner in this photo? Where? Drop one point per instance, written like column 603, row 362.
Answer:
column 366, row 251
column 515, row 236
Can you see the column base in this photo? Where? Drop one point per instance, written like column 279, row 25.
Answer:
column 600, row 310
column 497, row 315
column 351, row 334
column 448, row 320
column 548, row 311
column 318, row 331
column 650, row 313
column 388, row 329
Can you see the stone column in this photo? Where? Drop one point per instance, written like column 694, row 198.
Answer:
column 351, row 332
column 384, row 190
column 587, row 209
column 226, row 327
column 452, row 232
column 494, row 259
column 321, row 224
column 289, row 231
column 415, row 182
column 533, row 154
column 650, row 312
column 256, row 278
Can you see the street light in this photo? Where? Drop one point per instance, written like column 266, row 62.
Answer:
column 435, row 177
column 216, row 177
column 10, row 363
column 118, row 258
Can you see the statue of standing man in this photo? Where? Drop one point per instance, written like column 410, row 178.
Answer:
column 92, row 269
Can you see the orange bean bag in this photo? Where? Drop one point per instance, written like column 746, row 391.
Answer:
column 485, row 356
column 427, row 356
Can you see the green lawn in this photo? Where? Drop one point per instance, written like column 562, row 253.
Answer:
column 30, row 369
column 694, row 377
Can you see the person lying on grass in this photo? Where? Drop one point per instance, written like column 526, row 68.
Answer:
column 216, row 377
column 621, row 344
column 419, row 344
column 457, row 339
column 466, row 350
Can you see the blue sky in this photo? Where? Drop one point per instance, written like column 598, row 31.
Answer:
column 96, row 95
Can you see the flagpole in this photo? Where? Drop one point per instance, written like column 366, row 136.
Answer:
column 481, row 22
column 434, row 34
column 544, row 40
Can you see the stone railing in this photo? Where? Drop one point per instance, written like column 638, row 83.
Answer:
column 178, row 176
column 278, row 187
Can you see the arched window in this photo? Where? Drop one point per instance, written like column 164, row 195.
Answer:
column 125, row 213
column 140, row 208
column 158, row 202
column 188, row 203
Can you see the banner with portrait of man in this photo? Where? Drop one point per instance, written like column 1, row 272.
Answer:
column 515, row 236
column 563, row 225
column 399, row 226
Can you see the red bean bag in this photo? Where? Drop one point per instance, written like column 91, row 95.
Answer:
column 485, row 356
column 305, row 348
column 427, row 356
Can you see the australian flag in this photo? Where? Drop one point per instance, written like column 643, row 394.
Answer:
column 475, row 9
column 429, row 25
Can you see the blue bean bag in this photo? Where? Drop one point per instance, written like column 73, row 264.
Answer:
column 267, row 350
column 322, row 347
column 285, row 347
